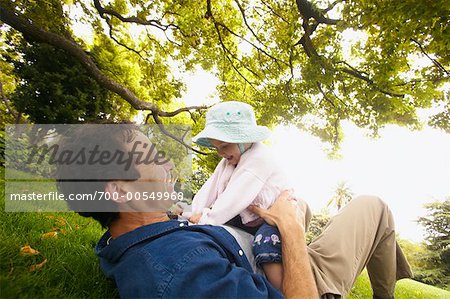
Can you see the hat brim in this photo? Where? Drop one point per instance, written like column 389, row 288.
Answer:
column 231, row 134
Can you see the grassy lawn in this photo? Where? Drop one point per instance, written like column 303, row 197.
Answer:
column 72, row 269
column 405, row 289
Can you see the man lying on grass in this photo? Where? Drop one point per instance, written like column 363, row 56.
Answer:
column 149, row 255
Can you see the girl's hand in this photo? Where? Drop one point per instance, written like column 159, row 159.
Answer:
column 195, row 218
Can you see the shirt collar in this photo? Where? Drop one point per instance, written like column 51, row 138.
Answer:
column 118, row 246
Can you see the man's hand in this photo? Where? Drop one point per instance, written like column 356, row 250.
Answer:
column 195, row 218
column 298, row 280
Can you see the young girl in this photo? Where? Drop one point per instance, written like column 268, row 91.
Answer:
column 247, row 175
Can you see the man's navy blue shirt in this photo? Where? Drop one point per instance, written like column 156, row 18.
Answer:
column 174, row 260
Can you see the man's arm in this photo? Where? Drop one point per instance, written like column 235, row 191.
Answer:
column 298, row 279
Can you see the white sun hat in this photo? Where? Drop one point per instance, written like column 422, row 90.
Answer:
column 232, row 122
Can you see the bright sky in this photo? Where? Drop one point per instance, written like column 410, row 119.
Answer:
column 406, row 169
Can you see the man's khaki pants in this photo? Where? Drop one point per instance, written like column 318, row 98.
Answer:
column 361, row 234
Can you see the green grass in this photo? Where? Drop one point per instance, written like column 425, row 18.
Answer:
column 72, row 270
column 405, row 289
column 23, row 185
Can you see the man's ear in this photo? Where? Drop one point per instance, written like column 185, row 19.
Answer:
column 116, row 192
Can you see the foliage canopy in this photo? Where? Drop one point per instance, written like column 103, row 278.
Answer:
column 310, row 63
column 437, row 227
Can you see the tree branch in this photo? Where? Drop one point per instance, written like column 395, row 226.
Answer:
column 333, row 91
column 246, row 23
column 365, row 77
column 308, row 11
column 155, row 23
column 184, row 109
column 158, row 44
column 359, row 75
column 310, row 51
column 306, row 42
column 354, row 69
column 226, row 50
column 416, row 81
column 249, row 42
column 274, row 12
column 30, row 30
column 120, row 43
column 209, row 15
column 319, row 86
column 167, row 133
column 332, row 5
column 435, row 62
